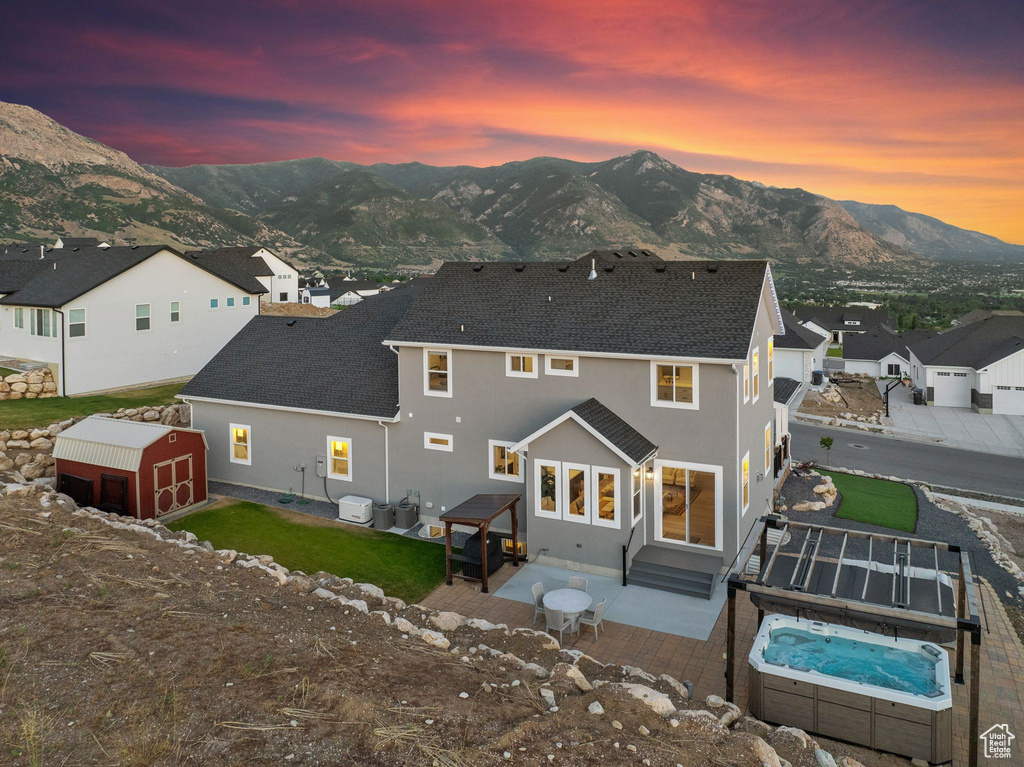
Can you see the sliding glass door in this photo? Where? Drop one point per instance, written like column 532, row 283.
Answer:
column 688, row 503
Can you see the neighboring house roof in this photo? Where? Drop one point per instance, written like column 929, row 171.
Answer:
column 350, row 371
column 244, row 251
column 836, row 317
column 621, row 438
column 701, row 309
column 880, row 342
column 983, row 314
column 618, row 256
column 976, row 345
column 785, row 388
column 234, row 265
column 111, row 442
column 66, row 274
column 339, row 283
column 325, row 291
column 797, row 336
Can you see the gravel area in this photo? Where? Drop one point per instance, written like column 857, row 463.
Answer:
column 933, row 524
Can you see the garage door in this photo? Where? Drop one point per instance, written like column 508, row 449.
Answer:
column 952, row 389
column 1008, row 400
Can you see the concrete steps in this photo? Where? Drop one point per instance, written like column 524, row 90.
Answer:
column 653, row 575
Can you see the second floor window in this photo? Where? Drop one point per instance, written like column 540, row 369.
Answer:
column 767, row 448
column 521, row 365
column 674, row 385
column 214, row 303
column 504, row 464
column 746, row 481
column 175, row 311
column 755, row 375
column 76, row 323
column 771, row 360
column 142, row 317
column 230, row 302
column 437, row 373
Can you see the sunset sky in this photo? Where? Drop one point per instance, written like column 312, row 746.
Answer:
column 919, row 104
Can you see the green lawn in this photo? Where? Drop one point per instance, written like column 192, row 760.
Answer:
column 834, row 351
column 876, row 501
column 23, row 413
column 4, row 372
column 407, row 568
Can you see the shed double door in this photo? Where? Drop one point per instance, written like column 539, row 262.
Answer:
column 173, row 484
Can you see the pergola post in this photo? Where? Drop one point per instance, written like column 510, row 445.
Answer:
column 515, row 535
column 975, row 693
column 483, row 557
column 730, row 647
column 448, row 553
column 764, row 556
column 961, row 612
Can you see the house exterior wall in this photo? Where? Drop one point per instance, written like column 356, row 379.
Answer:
column 279, row 440
column 876, row 368
column 284, row 281
column 113, row 354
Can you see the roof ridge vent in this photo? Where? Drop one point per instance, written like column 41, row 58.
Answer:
column 659, row 267
column 290, row 323
column 712, row 267
column 609, row 268
column 632, row 254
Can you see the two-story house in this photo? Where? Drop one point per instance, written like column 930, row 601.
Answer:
column 630, row 403
column 116, row 317
column 280, row 278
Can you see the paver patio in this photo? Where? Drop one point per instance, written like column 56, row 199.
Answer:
column 703, row 663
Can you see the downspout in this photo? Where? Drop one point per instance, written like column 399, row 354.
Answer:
column 387, row 477
column 63, row 365
column 738, row 370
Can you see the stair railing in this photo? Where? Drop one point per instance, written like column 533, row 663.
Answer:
column 625, row 554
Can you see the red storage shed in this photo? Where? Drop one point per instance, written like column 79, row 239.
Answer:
column 135, row 468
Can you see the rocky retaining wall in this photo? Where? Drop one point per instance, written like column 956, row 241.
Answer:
column 35, row 384
column 30, row 450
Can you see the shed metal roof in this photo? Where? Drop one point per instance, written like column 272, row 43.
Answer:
column 110, row 442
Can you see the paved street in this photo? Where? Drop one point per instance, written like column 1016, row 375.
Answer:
column 951, row 467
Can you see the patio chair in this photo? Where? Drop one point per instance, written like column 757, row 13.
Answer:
column 595, row 617
column 556, row 621
column 580, row 584
column 538, row 601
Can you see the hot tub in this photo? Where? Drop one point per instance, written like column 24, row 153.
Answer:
column 843, row 683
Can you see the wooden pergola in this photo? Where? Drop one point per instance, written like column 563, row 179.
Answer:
column 809, row 584
column 479, row 511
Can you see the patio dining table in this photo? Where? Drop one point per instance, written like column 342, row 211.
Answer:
column 572, row 602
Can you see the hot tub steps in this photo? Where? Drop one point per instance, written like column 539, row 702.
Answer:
column 654, row 575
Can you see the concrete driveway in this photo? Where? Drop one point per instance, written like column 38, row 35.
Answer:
column 955, row 426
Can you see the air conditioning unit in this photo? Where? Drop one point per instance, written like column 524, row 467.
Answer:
column 353, row 508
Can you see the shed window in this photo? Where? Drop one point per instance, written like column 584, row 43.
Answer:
column 142, row 316
column 340, row 463
column 240, row 445
column 76, row 323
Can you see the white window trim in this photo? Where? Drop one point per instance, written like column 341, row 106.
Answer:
column 148, row 317
column 655, row 402
column 330, row 459
column 84, row 323
column 427, row 391
column 516, row 373
column 428, row 435
column 768, row 445
column 746, row 381
column 493, row 443
column 537, row 510
column 771, row 361
column 51, row 324
column 549, row 371
column 636, row 484
column 588, row 501
column 231, row 443
column 658, row 533
column 755, row 373
column 170, row 311
column 229, row 302
column 14, row 318
column 246, row 300
column 616, row 521
column 745, row 504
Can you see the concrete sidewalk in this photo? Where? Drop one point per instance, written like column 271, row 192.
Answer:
column 954, row 426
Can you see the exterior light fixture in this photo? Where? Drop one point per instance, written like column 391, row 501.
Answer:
column 649, row 472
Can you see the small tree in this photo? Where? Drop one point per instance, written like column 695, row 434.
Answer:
column 827, row 442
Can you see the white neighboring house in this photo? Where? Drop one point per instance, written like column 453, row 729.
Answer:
column 112, row 318
column 979, row 366
column 882, row 352
column 799, row 351
column 347, row 291
column 80, row 242
column 280, row 278
column 839, row 322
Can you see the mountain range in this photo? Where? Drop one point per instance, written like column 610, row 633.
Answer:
column 325, row 212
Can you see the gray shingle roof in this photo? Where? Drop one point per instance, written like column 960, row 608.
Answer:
column 80, row 242
column 785, row 388
column 703, row 309
column 835, row 317
column 236, row 265
column 797, row 336
column 976, row 345
column 881, row 341
column 345, row 367
column 615, row 430
column 70, row 273
column 618, row 256
column 64, row 278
